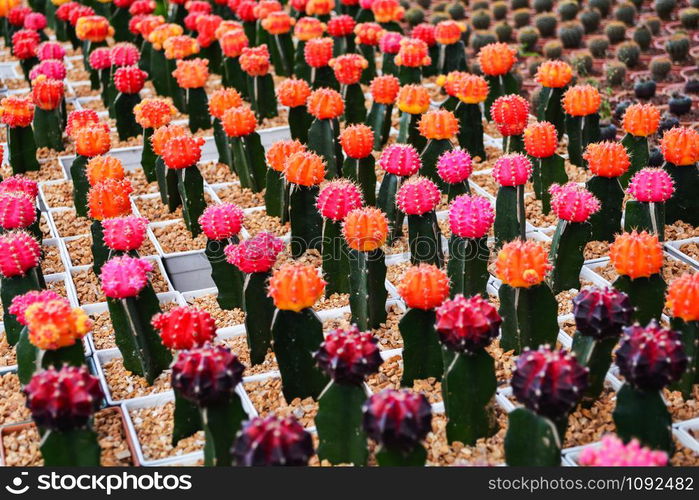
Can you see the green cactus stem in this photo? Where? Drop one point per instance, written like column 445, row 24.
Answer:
column 31, row 359
column 364, row 16
column 369, row 53
column 432, row 69
column 323, row 77
column 144, row 62
column 607, row 222
column 467, row 266
column 566, row 254
column 167, row 185
column 581, row 130
column 27, row 65
column 470, row 407
column 299, row 123
column 342, row 439
column 409, row 75
column 646, row 295
column 11, row 288
column 550, row 108
column 301, row 68
column 233, row 76
column 125, row 119
column 545, row 173
column 120, row 21
column 397, row 458
column 227, row 277
column 148, row 156
column 81, row 186
column 386, row 201
column 249, row 161
column 100, row 251
column 343, row 44
column 529, row 317
column 510, row 220
column 637, row 148
column 684, row 204
column 277, row 196
column 513, row 144
column 48, row 129
column 173, row 88
column 223, row 148
column 690, row 339
column 213, row 54
column 263, row 100
column 197, row 109
column 142, row 351
column 158, row 70
column 429, row 156
column 75, row 447
column 654, row 429
column 186, row 419
column 297, row 335
column 259, row 310
column 21, row 147
column 451, row 57
column 250, row 28
column 261, row 35
column 422, row 352
column 648, row 216
column 531, row 440
column 425, row 239
column 392, row 26
column 178, row 13
column 336, row 266
column 368, row 288
column 408, row 132
column 499, row 86
column 323, row 139
column 388, row 65
column 190, row 185
column 74, row 41
column 596, row 355
column 361, row 171
column 355, row 109
column 221, row 422
column 306, row 221
column 379, row 119
column 470, row 135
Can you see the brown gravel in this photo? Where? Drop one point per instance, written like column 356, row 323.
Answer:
column 238, row 344
column 59, row 194
column 12, row 401
column 176, row 238
column 138, row 182
column 679, row 408
column 388, row 334
column 671, row 270
column 154, row 429
column 22, row 447
column 124, row 384
column 587, row 425
column 395, row 272
column 243, row 197
column 259, row 221
column 223, row 318
column 535, row 216
column 80, row 250
column 57, row 286
column 154, row 210
column 51, row 263
column 691, row 250
column 48, row 171
column 88, row 288
column 390, row 373
column 8, row 356
column 217, row 173
column 596, row 249
column 67, row 224
column 680, row 231
column 266, row 396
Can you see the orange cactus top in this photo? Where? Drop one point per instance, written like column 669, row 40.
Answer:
column 554, row 74
column 357, row 141
column 424, row 287
column 278, row 153
column 522, row 264
column 368, row 33
column 581, row 100
column 319, row 7
column 16, row 111
column 192, row 74
column 295, row 286
column 386, row 11
column 540, row 139
column 496, row 59
column 162, row 135
column 154, row 112
column 180, row 47
column 348, row 68
column 438, row 124
column 93, row 140
column 233, row 42
column 413, row 53
column 255, row 60
column 162, row 32
column 641, row 120
column 109, row 199
column 101, row 168
column 304, row 168
column 413, row 99
column 222, row 100
column 607, row 159
column 239, row 122
column 680, row 146
column 54, row 324
column 293, row 92
column 636, row 255
column 308, row 28
column 93, row 28
column 278, row 23
column 325, row 103
column 448, row 32
column 683, row 297
column 182, row 151
column 47, row 93
column 365, row 229
column 384, row 89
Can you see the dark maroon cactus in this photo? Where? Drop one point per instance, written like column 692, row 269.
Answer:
column 467, row 324
column 549, row 383
column 601, row 313
column 272, row 441
column 207, row 375
column 63, row 399
column 347, row 356
column 652, row 357
column 398, row 420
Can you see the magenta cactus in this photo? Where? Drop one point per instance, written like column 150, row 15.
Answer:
column 650, row 188
column 51, row 68
column 64, row 399
column 471, row 216
column 400, row 159
column 512, row 172
column 454, row 167
column 389, row 45
column 17, row 210
column 19, row 254
column 124, row 234
column 124, row 276
column 348, row 355
column 398, row 421
column 270, row 441
column 21, row 184
column 418, row 198
column 50, row 50
column 572, row 202
column 467, row 324
column 21, row 303
column 255, row 255
column 612, row 452
column 222, row 221
column 338, row 198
